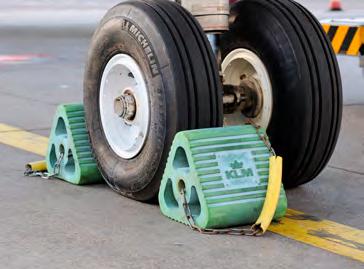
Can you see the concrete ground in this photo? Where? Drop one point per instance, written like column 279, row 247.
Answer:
column 51, row 224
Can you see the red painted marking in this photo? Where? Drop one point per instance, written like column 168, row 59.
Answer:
column 21, row 58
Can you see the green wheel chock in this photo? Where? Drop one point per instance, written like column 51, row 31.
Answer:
column 69, row 138
column 225, row 175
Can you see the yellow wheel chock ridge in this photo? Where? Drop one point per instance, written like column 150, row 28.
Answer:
column 218, row 178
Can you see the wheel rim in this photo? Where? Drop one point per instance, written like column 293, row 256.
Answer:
column 245, row 63
column 124, row 106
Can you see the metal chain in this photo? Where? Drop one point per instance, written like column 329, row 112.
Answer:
column 263, row 136
column 46, row 175
column 230, row 231
column 31, row 173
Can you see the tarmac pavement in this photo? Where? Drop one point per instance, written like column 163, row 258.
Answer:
column 52, row 224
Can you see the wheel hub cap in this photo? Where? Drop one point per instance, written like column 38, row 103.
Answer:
column 243, row 68
column 124, row 106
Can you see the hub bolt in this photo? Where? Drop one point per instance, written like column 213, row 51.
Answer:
column 125, row 106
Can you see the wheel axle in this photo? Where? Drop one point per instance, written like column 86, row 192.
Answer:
column 247, row 97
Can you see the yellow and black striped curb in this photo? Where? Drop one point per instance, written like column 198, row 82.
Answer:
column 346, row 39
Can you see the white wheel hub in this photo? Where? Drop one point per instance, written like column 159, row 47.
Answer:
column 124, row 106
column 242, row 63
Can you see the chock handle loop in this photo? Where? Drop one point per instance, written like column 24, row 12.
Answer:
column 39, row 169
column 36, row 169
column 272, row 197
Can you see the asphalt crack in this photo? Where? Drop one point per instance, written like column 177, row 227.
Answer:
column 347, row 170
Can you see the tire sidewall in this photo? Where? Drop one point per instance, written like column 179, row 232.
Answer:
column 116, row 35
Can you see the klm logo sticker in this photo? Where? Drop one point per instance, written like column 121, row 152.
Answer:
column 238, row 168
column 238, row 171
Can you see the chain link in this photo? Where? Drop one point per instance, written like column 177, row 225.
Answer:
column 263, row 136
column 230, row 231
column 46, row 175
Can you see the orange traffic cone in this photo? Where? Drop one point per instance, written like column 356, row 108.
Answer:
column 335, row 5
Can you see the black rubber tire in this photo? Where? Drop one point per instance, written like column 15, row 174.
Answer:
column 183, row 87
column 307, row 91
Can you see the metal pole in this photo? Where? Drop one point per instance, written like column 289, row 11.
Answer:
column 213, row 15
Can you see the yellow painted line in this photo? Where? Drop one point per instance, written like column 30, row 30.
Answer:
column 23, row 140
column 328, row 235
column 324, row 234
column 339, row 38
